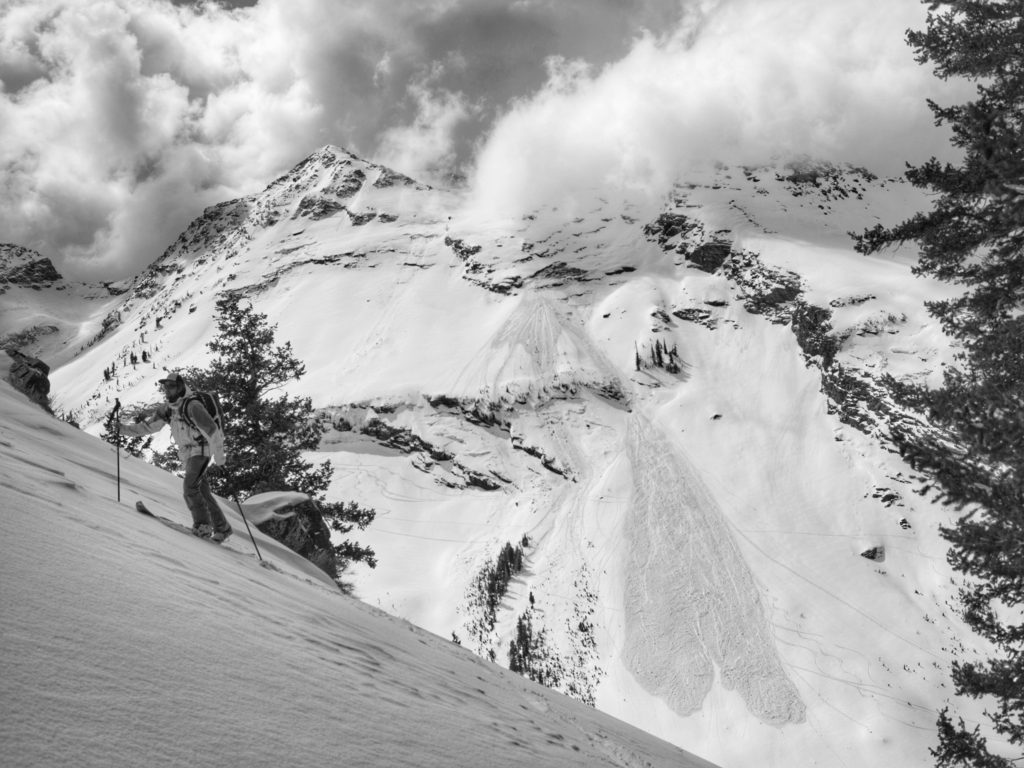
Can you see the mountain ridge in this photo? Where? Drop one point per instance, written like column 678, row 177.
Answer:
column 488, row 380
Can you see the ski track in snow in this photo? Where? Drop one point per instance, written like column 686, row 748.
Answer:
column 537, row 348
column 692, row 603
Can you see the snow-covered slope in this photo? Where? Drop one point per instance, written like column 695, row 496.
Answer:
column 127, row 643
column 678, row 417
column 44, row 315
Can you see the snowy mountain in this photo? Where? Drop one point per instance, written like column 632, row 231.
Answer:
column 676, row 425
column 41, row 311
column 127, row 643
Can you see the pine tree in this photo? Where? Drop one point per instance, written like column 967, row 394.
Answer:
column 133, row 446
column 269, row 430
column 974, row 237
column 673, row 360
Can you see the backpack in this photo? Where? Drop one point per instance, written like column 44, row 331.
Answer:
column 210, row 402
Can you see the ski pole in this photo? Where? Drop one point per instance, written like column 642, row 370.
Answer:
column 116, row 416
column 244, row 520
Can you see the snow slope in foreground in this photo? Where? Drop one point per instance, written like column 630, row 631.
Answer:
column 126, row 643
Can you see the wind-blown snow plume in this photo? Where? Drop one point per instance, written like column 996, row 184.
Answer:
column 737, row 82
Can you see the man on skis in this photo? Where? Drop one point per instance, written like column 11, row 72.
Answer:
column 199, row 439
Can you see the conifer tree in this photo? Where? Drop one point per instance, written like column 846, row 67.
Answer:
column 133, row 446
column 973, row 237
column 269, row 430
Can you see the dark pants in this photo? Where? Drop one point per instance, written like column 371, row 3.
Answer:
column 204, row 508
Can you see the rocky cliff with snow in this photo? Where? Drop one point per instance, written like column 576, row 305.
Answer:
column 681, row 420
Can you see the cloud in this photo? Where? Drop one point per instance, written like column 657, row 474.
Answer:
column 88, row 137
column 738, row 82
column 120, row 120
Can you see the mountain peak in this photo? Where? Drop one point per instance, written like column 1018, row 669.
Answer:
column 610, row 390
column 342, row 165
column 23, row 266
column 329, row 182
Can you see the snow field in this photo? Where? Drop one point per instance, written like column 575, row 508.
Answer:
column 753, row 544
column 126, row 643
column 710, row 553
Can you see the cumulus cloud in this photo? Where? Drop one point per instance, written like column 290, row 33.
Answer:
column 737, row 82
column 98, row 128
column 120, row 120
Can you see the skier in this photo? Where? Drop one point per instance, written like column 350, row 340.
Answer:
column 199, row 439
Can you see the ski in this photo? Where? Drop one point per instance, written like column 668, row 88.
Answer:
column 143, row 509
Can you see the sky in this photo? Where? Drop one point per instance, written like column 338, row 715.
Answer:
column 120, row 120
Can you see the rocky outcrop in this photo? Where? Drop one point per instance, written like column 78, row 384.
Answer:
column 669, row 227
column 710, row 256
column 317, row 206
column 307, row 534
column 30, row 376
column 40, row 272
column 764, row 290
column 428, row 456
column 685, row 236
column 876, row 405
column 874, row 553
column 813, row 329
column 479, row 273
column 25, row 267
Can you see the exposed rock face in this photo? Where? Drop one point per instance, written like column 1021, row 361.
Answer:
column 23, row 266
column 863, row 396
column 764, row 290
column 30, row 376
column 687, row 237
column 307, row 534
column 709, row 256
column 317, row 207
column 37, row 272
column 875, row 553
column 813, row 328
column 480, row 273
column 669, row 226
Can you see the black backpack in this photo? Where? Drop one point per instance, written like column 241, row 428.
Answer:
column 210, row 402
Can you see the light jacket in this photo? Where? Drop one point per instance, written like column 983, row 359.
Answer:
column 206, row 440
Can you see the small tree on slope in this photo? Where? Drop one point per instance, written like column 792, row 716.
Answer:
column 268, row 430
column 974, row 237
column 133, row 446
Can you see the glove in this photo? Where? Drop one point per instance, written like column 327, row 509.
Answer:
column 217, row 448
